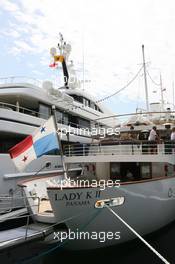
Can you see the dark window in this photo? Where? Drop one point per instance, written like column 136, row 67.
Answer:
column 7, row 142
column 65, row 119
column 145, row 170
column 59, row 116
column 86, row 102
column 92, row 105
column 77, row 98
column 83, row 123
column 97, row 108
column 54, row 152
column 114, row 170
column 73, row 120
column 44, row 111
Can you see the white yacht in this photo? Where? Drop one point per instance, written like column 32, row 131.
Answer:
column 24, row 105
column 133, row 177
column 126, row 187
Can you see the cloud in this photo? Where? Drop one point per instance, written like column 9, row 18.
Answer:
column 108, row 35
column 20, row 47
column 10, row 33
column 9, row 6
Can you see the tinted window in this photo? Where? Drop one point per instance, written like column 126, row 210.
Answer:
column 114, row 170
column 7, row 142
column 83, row 123
column 77, row 98
column 59, row 116
column 65, row 119
column 44, row 111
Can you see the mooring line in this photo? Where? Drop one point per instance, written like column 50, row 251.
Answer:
column 139, row 236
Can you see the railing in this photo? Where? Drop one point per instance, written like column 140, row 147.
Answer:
column 26, row 219
column 7, row 203
column 20, row 79
column 121, row 148
column 19, row 109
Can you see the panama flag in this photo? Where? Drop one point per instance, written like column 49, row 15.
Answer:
column 33, row 146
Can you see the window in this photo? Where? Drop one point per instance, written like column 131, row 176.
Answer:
column 145, row 170
column 53, row 152
column 97, row 108
column 92, row 105
column 83, row 123
column 7, row 142
column 77, row 98
column 44, row 111
column 59, row 116
column 114, row 170
column 73, row 120
column 65, row 119
column 86, row 102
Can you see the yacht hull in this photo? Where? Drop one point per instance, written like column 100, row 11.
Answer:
column 148, row 206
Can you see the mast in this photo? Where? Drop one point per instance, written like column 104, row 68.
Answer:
column 145, row 79
column 173, row 93
column 59, row 142
column 161, row 92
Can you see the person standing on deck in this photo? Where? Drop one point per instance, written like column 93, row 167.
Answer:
column 153, row 138
column 173, row 139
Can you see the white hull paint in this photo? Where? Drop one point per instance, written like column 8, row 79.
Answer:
column 11, row 195
column 148, row 206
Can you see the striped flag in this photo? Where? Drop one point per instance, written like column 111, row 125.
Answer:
column 43, row 140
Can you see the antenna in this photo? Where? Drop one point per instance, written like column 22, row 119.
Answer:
column 63, row 47
column 146, row 87
column 61, row 44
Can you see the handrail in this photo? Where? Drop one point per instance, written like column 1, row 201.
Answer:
column 17, row 79
column 11, row 199
column 22, row 109
column 137, row 148
column 37, row 114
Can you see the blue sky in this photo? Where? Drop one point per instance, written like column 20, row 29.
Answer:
column 108, row 34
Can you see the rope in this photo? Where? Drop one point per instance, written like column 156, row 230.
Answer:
column 158, row 84
column 132, row 114
column 139, row 236
column 123, row 88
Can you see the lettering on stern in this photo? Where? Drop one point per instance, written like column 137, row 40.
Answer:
column 78, row 198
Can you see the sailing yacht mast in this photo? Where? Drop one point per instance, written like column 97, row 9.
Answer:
column 161, row 92
column 145, row 79
column 173, row 93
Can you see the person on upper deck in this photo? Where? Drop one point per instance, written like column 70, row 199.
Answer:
column 173, row 139
column 173, row 134
column 154, row 139
column 153, row 135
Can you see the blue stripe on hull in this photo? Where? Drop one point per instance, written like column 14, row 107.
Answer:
column 46, row 144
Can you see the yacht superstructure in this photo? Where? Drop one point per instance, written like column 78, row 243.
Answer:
column 24, row 105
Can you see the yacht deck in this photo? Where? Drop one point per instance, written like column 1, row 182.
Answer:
column 121, row 152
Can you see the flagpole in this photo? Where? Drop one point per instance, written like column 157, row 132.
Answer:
column 59, row 142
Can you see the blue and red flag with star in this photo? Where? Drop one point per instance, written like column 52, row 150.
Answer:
column 34, row 146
